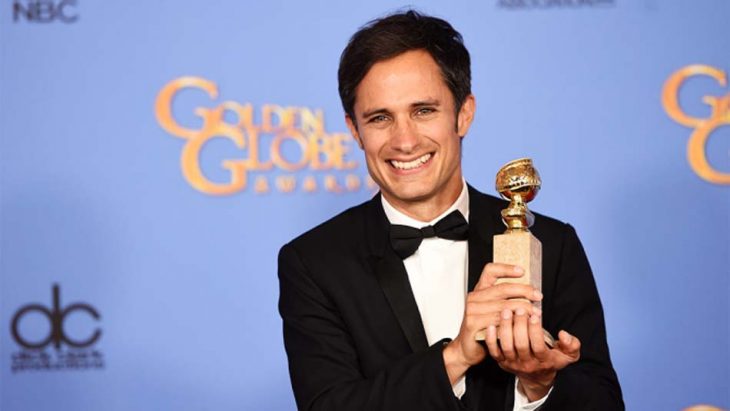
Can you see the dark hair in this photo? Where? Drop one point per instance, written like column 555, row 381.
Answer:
column 398, row 33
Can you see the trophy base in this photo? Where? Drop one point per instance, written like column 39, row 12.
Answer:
column 522, row 249
column 525, row 250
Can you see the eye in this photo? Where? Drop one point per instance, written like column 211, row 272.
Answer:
column 424, row 111
column 378, row 118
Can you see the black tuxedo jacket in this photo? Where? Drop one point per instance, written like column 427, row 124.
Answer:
column 354, row 336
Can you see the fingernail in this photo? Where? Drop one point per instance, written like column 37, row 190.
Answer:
column 491, row 331
column 536, row 311
column 538, row 295
column 520, row 311
column 568, row 339
column 534, row 319
column 519, row 270
column 507, row 314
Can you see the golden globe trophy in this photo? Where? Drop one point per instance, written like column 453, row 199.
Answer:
column 519, row 182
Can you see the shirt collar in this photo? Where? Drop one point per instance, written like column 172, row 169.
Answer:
column 397, row 217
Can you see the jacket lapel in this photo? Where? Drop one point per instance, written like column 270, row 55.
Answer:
column 393, row 278
column 482, row 228
column 391, row 273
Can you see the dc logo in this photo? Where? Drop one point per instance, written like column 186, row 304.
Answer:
column 56, row 316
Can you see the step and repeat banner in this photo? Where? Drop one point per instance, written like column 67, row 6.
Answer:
column 155, row 155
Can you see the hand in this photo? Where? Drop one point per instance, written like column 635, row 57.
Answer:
column 522, row 351
column 483, row 308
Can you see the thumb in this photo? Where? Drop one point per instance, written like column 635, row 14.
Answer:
column 569, row 345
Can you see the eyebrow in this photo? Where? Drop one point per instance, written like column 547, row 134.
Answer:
column 420, row 103
column 428, row 102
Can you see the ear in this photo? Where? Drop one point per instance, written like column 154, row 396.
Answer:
column 466, row 115
column 353, row 129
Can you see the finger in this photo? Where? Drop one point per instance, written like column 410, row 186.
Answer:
column 511, row 290
column 505, row 336
column 527, row 306
column 506, row 291
column 520, row 336
column 569, row 345
column 477, row 305
column 478, row 322
column 537, row 340
column 485, row 312
column 492, row 345
column 494, row 271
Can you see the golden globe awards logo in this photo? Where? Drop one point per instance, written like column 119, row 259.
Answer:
column 287, row 150
column 703, row 127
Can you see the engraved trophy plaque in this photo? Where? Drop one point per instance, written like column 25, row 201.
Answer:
column 519, row 182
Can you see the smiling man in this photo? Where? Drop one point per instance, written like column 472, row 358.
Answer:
column 406, row 120
column 381, row 304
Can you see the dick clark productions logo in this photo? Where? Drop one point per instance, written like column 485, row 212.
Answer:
column 70, row 352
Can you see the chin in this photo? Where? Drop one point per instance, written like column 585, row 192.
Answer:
column 411, row 194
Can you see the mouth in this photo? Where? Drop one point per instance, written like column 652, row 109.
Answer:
column 413, row 164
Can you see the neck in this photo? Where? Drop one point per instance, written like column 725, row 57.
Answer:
column 427, row 209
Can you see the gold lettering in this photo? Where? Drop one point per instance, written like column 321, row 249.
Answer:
column 243, row 112
column 190, row 162
column 319, row 146
column 311, row 122
column 328, row 151
column 670, row 93
column 254, row 162
column 261, row 185
column 704, row 127
column 310, row 184
column 303, row 126
column 275, row 118
column 352, row 182
column 276, row 154
column 163, row 104
column 331, row 184
column 697, row 150
column 340, row 148
column 286, row 184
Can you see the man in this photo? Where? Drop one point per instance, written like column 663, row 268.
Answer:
column 373, row 321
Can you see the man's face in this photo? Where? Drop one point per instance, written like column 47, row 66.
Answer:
column 406, row 123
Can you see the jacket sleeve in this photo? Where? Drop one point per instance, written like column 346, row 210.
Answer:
column 323, row 359
column 590, row 383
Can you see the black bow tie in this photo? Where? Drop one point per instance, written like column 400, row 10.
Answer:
column 406, row 240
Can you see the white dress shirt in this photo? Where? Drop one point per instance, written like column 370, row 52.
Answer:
column 437, row 272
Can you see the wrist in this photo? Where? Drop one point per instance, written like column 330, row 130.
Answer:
column 535, row 389
column 454, row 361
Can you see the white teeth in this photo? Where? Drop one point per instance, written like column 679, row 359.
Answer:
column 407, row 165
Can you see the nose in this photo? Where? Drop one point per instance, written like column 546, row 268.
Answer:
column 404, row 137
